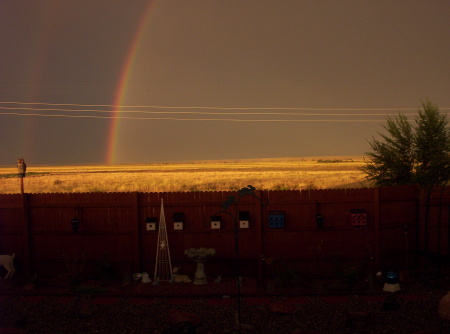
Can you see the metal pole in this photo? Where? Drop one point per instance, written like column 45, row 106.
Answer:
column 238, row 265
column 249, row 190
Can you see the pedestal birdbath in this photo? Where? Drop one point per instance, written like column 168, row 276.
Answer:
column 200, row 255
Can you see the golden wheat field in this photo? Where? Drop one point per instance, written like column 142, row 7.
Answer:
column 263, row 174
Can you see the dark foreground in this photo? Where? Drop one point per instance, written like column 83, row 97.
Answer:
column 214, row 308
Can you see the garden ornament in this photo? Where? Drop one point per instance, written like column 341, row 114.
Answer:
column 143, row 277
column 444, row 307
column 177, row 278
column 391, row 283
column 7, row 261
column 200, row 255
column 379, row 275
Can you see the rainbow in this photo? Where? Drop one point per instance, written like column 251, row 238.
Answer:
column 125, row 74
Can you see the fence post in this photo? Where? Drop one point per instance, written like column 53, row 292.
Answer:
column 26, row 233
column 259, row 241
column 136, row 235
column 376, row 228
column 417, row 227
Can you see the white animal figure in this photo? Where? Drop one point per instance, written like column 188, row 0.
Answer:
column 143, row 277
column 180, row 278
column 7, row 261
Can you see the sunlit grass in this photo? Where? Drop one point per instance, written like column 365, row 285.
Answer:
column 267, row 174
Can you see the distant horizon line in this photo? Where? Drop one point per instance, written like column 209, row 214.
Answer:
column 301, row 158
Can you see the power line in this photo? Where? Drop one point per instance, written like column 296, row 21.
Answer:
column 197, row 119
column 119, row 107
column 119, row 114
column 193, row 112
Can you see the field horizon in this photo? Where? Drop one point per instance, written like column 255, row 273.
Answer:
column 292, row 173
column 306, row 158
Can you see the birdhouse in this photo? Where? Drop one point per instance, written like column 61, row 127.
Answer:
column 215, row 223
column 358, row 217
column 276, row 219
column 21, row 167
column 75, row 224
column 244, row 219
column 178, row 221
column 319, row 220
column 150, row 223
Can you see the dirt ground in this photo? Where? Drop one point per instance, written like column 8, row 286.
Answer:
column 53, row 306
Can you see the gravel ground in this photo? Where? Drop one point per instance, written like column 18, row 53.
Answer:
column 146, row 309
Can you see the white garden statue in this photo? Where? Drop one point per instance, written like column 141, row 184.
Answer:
column 143, row 277
column 177, row 278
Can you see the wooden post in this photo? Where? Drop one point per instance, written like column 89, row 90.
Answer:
column 376, row 229
column 136, row 234
column 26, row 234
column 26, row 227
column 259, row 241
column 21, row 185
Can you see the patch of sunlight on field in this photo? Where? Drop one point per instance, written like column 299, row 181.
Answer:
column 269, row 174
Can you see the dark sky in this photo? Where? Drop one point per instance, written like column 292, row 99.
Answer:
column 271, row 78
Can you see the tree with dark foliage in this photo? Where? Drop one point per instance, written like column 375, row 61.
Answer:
column 410, row 154
column 432, row 147
column 392, row 160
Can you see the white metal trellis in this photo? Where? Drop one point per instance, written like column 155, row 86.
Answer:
column 163, row 264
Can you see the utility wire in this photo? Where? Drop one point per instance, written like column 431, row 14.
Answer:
column 119, row 113
column 194, row 112
column 119, row 107
column 198, row 119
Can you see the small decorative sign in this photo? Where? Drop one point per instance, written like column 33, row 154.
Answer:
column 358, row 217
column 276, row 219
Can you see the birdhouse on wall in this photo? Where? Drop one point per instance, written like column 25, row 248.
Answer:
column 150, row 223
column 358, row 217
column 178, row 221
column 215, row 223
column 244, row 219
column 21, row 167
column 75, row 224
column 277, row 219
